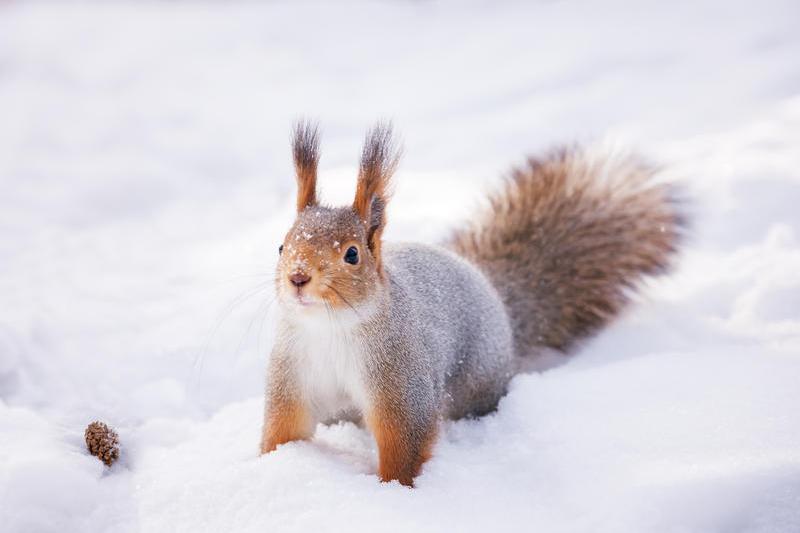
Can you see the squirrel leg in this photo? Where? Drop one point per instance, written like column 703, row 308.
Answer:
column 285, row 419
column 403, row 446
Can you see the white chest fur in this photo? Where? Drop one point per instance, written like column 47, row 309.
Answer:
column 329, row 364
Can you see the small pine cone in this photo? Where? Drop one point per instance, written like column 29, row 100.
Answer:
column 102, row 442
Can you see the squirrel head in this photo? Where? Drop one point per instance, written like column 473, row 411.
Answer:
column 331, row 256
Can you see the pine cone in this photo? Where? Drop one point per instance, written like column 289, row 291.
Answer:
column 102, row 442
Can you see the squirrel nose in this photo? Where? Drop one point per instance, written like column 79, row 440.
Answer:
column 299, row 279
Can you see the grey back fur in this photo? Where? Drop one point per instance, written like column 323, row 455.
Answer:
column 448, row 309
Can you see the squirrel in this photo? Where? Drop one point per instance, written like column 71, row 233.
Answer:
column 402, row 336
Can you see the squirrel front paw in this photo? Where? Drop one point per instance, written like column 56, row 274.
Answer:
column 284, row 423
column 402, row 449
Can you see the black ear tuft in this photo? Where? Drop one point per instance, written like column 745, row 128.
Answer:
column 305, row 149
column 379, row 159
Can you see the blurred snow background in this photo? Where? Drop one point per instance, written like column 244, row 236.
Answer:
column 145, row 184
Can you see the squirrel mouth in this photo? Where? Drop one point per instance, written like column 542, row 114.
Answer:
column 304, row 300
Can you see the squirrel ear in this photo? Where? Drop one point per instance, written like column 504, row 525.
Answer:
column 305, row 149
column 379, row 160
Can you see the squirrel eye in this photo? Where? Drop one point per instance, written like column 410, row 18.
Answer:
column 280, row 249
column 351, row 255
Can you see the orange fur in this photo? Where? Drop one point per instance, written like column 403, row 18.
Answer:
column 284, row 421
column 340, row 286
column 402, row 449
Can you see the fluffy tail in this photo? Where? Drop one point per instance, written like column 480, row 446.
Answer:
column 567, row 239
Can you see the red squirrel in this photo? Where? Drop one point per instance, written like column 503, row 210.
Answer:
column 402, row 336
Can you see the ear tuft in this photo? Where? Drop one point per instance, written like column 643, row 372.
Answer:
column 379, row 160
column 305, row 149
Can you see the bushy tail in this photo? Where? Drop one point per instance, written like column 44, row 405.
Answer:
column 566, row 240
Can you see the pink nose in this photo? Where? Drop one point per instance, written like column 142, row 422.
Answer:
column 299, row 279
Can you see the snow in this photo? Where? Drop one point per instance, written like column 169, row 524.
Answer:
column 145, row 185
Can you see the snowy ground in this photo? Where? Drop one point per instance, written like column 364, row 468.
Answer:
column 145, row 185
